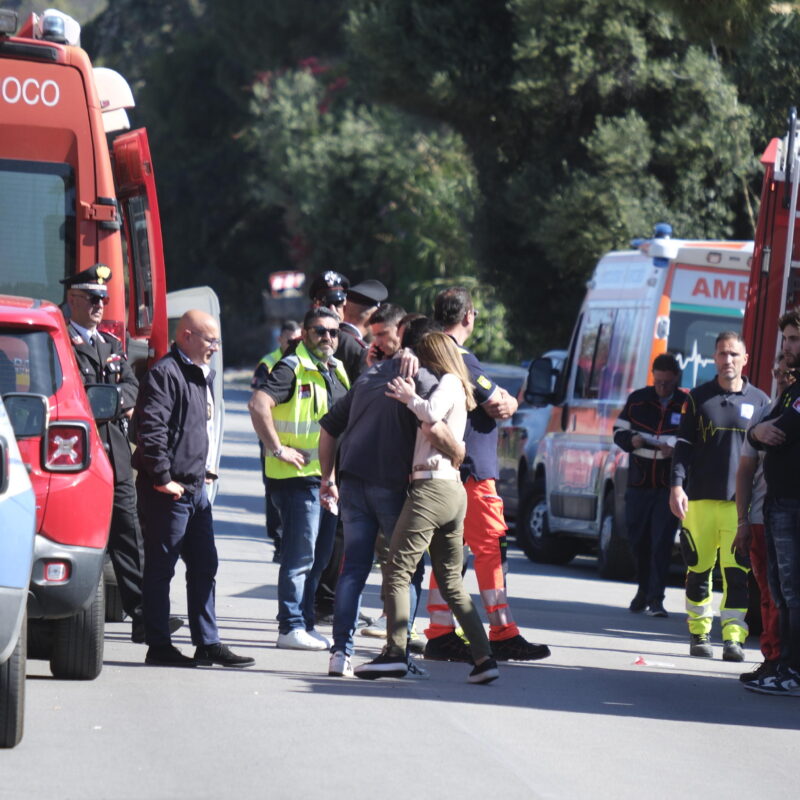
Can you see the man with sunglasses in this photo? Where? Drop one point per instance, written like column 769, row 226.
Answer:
column 286, row 408
column 101, row 359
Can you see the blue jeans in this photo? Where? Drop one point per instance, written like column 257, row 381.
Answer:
column 782, row 521
column 365, row 509
column 302, row 531
column 178, row 529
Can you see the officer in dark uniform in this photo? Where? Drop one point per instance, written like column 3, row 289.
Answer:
column 101, row 359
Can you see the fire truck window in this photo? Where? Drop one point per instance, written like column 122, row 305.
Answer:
column 29, row 363
column 136, row 214
column 37, row 228
column 593, row 351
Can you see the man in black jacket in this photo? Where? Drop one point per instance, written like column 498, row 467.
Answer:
column 779, row 435
column 647, row 428
column 101, row 359
column 174, row 425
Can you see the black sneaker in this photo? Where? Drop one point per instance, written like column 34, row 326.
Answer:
column 732, row 651
column 485, row 672
column 449, row 647
column 638, row 604
column 383, row 666
column 656, row 610
column 165, row 655
column 768, row 667
column 518, row 649
column 700, row 645
column 208, row 654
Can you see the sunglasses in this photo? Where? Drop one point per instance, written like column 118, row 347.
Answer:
column 321, row 331
column 96, row 299
column 781, row 373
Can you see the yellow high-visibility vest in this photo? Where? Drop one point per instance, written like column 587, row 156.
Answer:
column 297, row 420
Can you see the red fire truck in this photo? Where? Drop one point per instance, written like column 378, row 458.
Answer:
column 775, row 276
column 77, row 187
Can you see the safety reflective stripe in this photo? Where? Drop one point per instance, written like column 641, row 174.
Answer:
column 698, row 610
column 622, row 425
column 495, row 603
column 438, row 610
column 656, row 455
column 733, row 619
column 297, row 427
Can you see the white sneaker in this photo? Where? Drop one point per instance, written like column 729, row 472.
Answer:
column 320, row 638
column 339, row 665
column 299, row 639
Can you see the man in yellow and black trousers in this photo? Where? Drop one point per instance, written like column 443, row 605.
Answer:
column 713, row 424
column 647, row 428
column 285, row 409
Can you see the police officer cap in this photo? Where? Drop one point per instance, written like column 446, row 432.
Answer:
column 368, row 293
column 92, row 279
column 328, row 287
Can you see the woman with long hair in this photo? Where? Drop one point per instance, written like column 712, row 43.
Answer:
column 432, row 517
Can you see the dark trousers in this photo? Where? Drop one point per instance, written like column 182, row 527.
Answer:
column 651, row 533
column 782, row 517
column 178, row 529
column 126, row 548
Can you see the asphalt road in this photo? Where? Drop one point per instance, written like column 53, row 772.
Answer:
column 586, row 723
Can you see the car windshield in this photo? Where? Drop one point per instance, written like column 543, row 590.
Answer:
column 37, row 228
column 28, row 362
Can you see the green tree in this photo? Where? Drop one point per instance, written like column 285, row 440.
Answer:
column 587, row 120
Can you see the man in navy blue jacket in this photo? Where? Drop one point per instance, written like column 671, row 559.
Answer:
column 647, row 428
column 174, row 418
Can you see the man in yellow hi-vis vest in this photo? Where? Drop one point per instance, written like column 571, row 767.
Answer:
column 285, row 408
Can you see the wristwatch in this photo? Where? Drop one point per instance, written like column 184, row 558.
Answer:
column 277, row 453
column 328, row 484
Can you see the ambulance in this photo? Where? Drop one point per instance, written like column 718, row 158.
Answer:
column 666, row 295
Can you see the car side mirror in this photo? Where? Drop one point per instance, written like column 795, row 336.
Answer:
column 540, row 389
column 104, row 400
column 28, row 413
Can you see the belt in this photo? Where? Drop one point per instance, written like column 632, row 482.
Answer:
column 443, row 474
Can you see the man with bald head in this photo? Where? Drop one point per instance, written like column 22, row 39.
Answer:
column 174, row 419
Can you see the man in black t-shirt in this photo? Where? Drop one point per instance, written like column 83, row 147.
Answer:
column 713, row 425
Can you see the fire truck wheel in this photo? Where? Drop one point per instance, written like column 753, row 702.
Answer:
column 78, row 641
column 533, row 533
column 614, row 558
column 12, row 692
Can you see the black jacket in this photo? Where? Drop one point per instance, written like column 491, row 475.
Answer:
column 108, row 364
column 780, row 462
column 644, row 414
column 170, row 417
